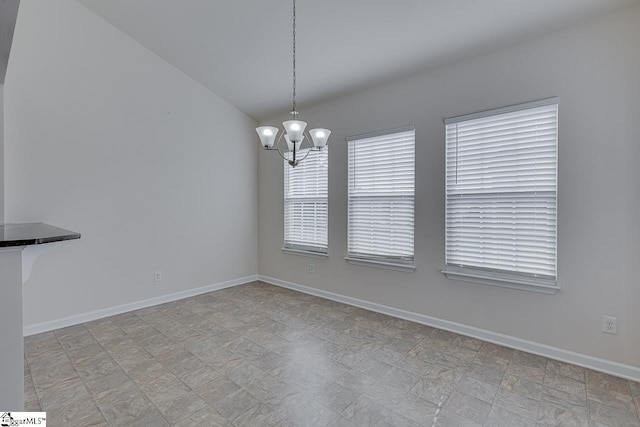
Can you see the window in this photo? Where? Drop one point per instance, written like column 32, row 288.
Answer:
column 306, row 204
column 382, row 198
column 501, row 177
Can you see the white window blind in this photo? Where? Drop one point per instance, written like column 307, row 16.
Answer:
column 501, row 177
column 382, row 196
column 306, row 202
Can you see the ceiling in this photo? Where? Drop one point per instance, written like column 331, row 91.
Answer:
column 8, row 14
column 241, row 49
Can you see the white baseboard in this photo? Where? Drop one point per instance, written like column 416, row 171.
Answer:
column 111, row 311
column 602, row 365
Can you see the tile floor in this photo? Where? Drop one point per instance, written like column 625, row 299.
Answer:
column 259, row 355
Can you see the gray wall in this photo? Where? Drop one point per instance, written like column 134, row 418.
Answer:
column 594, row 69
column 1, row 154
column 106, row 138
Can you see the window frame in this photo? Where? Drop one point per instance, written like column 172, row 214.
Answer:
column 398, row 263
column 302, row 249
column 504, row 278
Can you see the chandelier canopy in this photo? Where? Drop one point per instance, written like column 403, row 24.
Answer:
column 294, row 128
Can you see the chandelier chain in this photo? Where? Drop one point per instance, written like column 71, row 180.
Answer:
column 294, row 55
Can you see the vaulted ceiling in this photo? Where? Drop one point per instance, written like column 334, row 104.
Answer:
column 8, row 13
column 241, row 49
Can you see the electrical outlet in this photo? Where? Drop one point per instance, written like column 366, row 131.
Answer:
column 609, row 325
column 157, row 276
column 312, row 268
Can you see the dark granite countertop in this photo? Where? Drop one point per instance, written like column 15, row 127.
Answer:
column 35, row 233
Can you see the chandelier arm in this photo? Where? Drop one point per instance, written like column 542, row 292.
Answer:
column 306, row 155
column 276, row 147
column 310, row 142
column 309, row 150
column 277, row 144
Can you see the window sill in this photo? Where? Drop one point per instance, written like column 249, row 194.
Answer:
column 381, row 264
column 504, row 282
column 302, row 252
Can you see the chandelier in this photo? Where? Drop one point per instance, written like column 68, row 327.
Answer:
column 294, row 129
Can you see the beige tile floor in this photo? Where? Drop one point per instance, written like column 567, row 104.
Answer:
column 259, row 355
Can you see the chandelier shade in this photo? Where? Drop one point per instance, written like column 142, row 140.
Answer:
column 290, row 143
column 319, row 137
column 294, row 129
column 267, row 135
